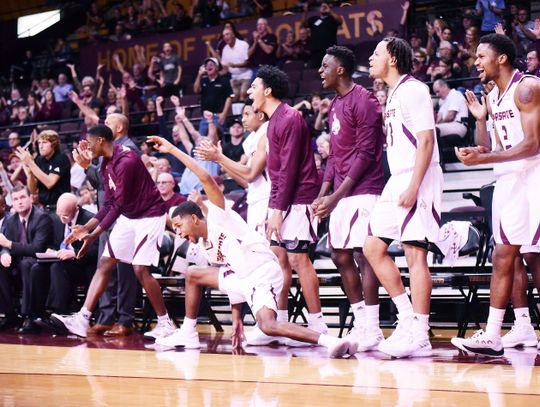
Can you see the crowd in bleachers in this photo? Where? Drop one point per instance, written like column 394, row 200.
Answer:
column 45, row 114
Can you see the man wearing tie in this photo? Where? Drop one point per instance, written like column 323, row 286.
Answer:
column 68, row 272
column 26, row 233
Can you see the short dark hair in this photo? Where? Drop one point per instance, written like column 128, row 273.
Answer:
column 275, row 79
column 345, row 57
column 100, row 130
column 501, row 44
column 402, row 51
column 188, row 208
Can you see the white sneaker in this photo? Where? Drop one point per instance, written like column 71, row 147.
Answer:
column 256, row 337
column 161, row 330
column 74, row 323
column 520, row 335
column 367, row 338
column 481, row 344
column 342, row 347
column 187, row 338
column 403, row 343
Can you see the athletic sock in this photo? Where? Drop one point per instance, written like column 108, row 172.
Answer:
column 522, row 316
column 372, row 316
column 359, row 312
column 190, row 323
column 86, row 314
column 494, row 322
column 163, row 318
column 404, row 305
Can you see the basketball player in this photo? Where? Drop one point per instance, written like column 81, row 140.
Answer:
column 254, row 173
column 353, row 181
column 409, row 207
column 514, row 105
column 133, row 201
column 249, row 270
column 293, row 176
column 522, row 332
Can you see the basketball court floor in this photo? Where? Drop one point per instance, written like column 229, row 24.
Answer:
column 44, row 370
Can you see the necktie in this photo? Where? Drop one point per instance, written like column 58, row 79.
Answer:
column 22, row 234
column 66, row 234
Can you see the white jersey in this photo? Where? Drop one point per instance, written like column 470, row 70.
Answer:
column 507, row 121
column 259, row 188
column 232, row 243
column 409, row 110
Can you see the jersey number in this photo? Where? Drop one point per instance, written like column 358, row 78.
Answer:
column 505, row 137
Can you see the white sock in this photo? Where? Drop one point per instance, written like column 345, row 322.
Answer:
column 522, row 316
column 327, row 340
column 421, row 326
column 283, row 315
column 494, row 322
column 315, row 318
column 190, row 323
column 372, row 315
column 359, row 312
column 163, row 318
column 85, row 313
column 404, row 305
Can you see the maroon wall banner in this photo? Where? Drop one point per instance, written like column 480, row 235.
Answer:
column 190, row 44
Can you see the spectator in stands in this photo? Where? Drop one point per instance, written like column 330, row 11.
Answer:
column 301, row 46
column 15, row 99
column 491, row 12
column 382, row 96
column 27, row 232
column 23, row 119
column 40, row 89
column 89, row 99
column 94, row 18
column 323, row 147
column 467, row 52
column 179, row 20
column 522, row 33
column 171, row 71
column 147, row 20
column 14, row 141
column 33, row 106
column 86, row 81
column 323, row 30
column 50, row 109
column 131, row 22
column 49, row 174
column 263, row 47
column 234, row 58
column 4, row 112
column 285, row 51
column 468, row 20
column 220, row 43
column 150, row 116
column 378, row 84
column 174, row 135
column 533, row 64
column 453, row 113
column 62, row 53
column 62, row 89
column 416, row 43
column 4, row 214
column 165, row 185
column 68, row 272
column 216, row 93
column 434, row 31
column 87, row 199
column 119, row 33
column 15, row 170
column 420, row 67
column 189, row 181
column 233, row 148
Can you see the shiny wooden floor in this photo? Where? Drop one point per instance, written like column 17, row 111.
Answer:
column 40, row 370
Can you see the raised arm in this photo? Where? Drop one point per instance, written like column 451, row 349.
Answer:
column 85, row 110
column 213, row 192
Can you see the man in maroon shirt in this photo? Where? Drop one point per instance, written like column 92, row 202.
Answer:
column 293, row 175
column 133, row 201
column 353, row 181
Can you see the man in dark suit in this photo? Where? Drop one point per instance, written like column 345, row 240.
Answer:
column 68, row 272
column 26, row 233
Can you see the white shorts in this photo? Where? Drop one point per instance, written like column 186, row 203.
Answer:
column 260, row 289
column 299, row 224
column 257, row 213
column 348, row 226
column 515, row 210
column 419, row 223
column 529, row 249
column 136, row 241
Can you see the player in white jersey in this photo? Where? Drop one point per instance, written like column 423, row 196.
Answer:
column 409, row 207
column 248, row 271
column 254, row 173
column 514, row 105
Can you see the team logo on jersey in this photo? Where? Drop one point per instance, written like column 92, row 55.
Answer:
column 112, row 185
column 220, row 258
column 336, row 125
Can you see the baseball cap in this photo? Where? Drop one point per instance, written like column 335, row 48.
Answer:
column 214, row 60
